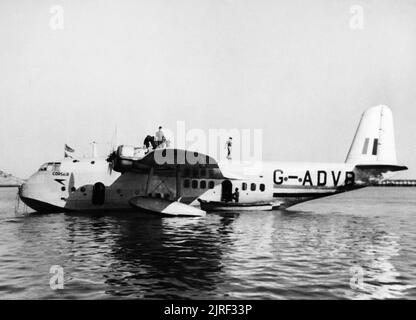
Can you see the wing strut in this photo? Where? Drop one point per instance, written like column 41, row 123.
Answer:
column 164, row 206
column 149, row 178
column 178, row 183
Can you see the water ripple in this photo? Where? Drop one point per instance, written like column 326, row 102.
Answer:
column 302, row 253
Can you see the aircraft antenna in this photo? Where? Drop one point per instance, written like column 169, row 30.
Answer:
column 114, row 139
column 94, row 149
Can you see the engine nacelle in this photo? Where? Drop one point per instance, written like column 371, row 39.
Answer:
column 122, row 159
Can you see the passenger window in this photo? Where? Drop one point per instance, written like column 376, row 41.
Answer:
column 244, row 186
column 186, row 183
column 186, row 172
column 211, row 184
column 195, row 172
column 203, row 172
column 203, row 184
column 262, row 187
column 50, row 166
column 253, row 187
column 194, row 184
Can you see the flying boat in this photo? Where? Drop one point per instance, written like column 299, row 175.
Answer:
column 171, row 181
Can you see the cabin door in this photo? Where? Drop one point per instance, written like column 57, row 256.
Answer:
column 226, row 191
column 98, row 194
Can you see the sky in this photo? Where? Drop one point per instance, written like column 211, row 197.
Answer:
column 297, row 70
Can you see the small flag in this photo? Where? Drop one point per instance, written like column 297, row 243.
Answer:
column 68, row 148
column 67, row 155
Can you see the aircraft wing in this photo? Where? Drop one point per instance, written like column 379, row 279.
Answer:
column 172, row 158
column 169, row 161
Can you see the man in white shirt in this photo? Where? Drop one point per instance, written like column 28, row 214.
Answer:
column 159, row 137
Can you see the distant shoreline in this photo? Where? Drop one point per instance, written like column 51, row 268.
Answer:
column 10, row 185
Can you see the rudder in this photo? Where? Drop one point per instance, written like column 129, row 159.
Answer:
column 374, row 142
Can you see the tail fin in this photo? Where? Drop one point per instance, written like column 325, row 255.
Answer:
column 373, row 149
column 374, row 139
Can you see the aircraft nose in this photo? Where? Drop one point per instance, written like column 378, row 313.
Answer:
column 25, row 194
column 26, row 190
column 32, row 188
column 35, row 196
column 20, row 190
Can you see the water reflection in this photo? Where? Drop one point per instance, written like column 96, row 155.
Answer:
column 153, row 257
column 263, row 255
column 345, row 240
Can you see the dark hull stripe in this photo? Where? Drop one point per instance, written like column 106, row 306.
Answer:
column 302, row 194
column 302, row 187
column 40, row 206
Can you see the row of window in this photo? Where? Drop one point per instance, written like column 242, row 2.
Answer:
column 194, row 183
column 55, row 166
column 203, row 185
column 199, row 172
column 253, row 187
column 50, row 166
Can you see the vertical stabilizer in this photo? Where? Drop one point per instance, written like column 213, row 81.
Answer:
column 374, row 142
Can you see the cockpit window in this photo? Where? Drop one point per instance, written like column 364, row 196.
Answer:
column 50, row 166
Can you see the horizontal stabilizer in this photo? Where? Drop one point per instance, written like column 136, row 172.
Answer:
column 370, row 174
column 166, row 207
column 381, row 167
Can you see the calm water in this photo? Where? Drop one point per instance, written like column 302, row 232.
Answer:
column 306, row 252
